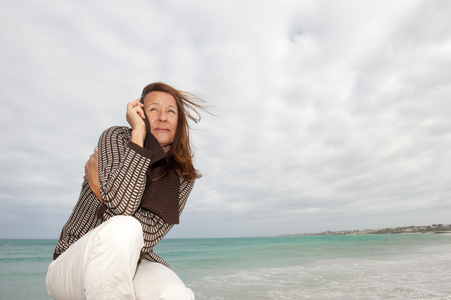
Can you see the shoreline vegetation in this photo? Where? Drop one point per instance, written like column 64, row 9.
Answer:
column 434, row 228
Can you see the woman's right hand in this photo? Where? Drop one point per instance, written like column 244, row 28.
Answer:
column 135, row 117
column 92, row 173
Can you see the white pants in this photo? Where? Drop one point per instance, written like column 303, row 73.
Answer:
column 103, row 264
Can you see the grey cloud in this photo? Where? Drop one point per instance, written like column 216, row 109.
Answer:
column 328, row 115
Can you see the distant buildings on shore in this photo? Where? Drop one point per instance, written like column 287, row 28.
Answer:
column 434, row 228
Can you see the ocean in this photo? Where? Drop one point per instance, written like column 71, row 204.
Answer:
column 396, row 266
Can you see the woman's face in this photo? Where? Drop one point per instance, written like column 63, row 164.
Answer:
column 161, row 109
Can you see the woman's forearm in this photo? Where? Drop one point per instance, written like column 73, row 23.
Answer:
column 138, row 136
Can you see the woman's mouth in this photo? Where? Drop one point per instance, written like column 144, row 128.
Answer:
column 161, row 129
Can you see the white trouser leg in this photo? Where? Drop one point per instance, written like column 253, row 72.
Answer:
column 100, row 265
column 154, row 281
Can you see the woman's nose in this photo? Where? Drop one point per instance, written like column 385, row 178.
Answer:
column 163, row 116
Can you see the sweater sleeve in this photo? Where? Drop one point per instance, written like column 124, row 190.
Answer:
column 122, row 171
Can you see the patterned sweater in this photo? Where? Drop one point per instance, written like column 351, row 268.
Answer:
column 122, row 180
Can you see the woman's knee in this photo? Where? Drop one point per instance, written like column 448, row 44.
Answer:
column 165, row 283
column 122, row 229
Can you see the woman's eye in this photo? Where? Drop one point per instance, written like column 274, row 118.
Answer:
column 153, row 109
column 171, row 111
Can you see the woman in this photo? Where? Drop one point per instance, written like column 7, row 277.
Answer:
column 136, row 186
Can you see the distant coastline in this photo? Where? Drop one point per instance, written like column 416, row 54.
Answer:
column 434, row 228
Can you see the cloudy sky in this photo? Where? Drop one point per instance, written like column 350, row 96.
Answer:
column 329, row 115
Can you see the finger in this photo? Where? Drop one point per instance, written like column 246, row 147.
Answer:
column 140, row 112
column 139, row 103
column 133, row 110
column 136, row 103
column 131, row 105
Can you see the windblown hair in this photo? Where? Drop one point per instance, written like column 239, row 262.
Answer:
column 188, row 105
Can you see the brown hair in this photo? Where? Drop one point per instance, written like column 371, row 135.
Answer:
column 181, row 155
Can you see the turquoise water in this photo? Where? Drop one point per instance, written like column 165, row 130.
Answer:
column 23, row 265
column 403, row 266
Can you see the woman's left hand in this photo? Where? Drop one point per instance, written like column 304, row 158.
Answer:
column 135, row 117
column 92, row 173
